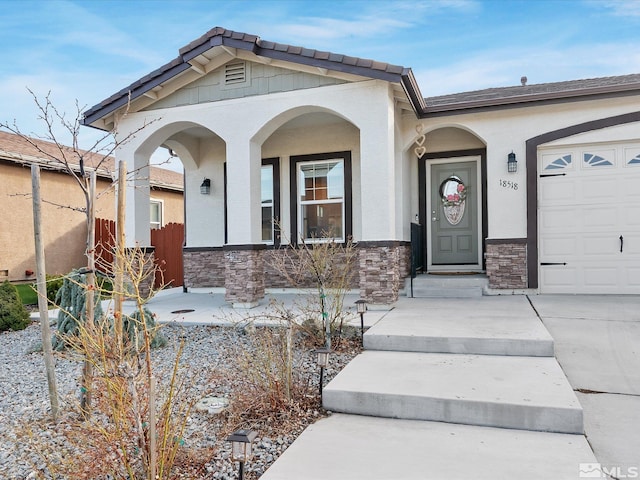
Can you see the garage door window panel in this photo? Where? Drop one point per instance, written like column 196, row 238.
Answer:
column 594, row 160
column 557, row 163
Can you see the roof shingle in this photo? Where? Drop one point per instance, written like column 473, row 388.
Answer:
column 534, row 92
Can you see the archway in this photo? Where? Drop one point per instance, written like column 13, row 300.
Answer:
column 454, row 224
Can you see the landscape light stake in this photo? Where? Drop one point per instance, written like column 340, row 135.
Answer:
column 322, row 359
column 362, row 307
column 241, row 448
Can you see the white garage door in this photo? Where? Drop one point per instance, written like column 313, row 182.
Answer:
column 589, row 219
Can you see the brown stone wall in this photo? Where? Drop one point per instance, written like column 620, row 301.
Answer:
column 405, row 262
column 204, row 268
column 273, row 265
column 244, row 275
column 380, row 273
column 506, row 262
column 272, row 268
column 141, row 264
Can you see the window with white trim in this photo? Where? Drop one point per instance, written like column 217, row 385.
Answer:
column 321, row 199
column 270, row 200
column 156, row 208
column 266, row 180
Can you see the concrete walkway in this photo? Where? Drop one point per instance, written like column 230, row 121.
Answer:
column 597, row 343
column 430, row 370
column 208, row 307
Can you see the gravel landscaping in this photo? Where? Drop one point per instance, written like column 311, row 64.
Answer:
column 30, row 442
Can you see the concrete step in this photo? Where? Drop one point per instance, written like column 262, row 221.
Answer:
column 348, row 447
column 529, row 393
column 444, row 292
column 446, row 286
column 501, row 325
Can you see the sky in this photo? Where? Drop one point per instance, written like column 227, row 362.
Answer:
column 82, row 51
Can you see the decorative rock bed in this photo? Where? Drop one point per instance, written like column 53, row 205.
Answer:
column 209, row 356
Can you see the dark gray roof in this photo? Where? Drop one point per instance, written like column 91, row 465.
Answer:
column 220, row 36
column 423, row 107
column 288, row 52
column 532, row 93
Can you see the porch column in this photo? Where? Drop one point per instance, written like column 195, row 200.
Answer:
column 379, row 248
column 244, row 269
column 137, row 220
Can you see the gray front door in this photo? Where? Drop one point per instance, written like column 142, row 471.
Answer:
column 454, row 213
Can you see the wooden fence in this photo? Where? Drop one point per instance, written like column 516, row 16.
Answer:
column 167, row 242
column 105, row 243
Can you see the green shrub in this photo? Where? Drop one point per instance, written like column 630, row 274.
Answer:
column 13, row 315
column 105, row 286
column 54, row 282
column 133, row 328
column 71, row 299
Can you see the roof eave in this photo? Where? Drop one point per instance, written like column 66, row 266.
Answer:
column 125, row 96
column 166, row 186
column 412, row 91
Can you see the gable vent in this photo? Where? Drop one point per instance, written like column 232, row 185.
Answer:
column 235, row 73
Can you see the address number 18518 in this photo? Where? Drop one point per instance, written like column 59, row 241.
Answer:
column 508, row 184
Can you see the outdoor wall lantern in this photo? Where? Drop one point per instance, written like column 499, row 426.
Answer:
column 361, row 305
column 241, row 448
column 322, row 359
column 205, row 188
column 512, row 163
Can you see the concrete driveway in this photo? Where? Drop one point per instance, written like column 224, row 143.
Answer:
column 597, row 343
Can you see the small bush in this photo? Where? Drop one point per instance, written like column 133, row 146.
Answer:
column 13, row 315
column 71, row 299
column 105, row 286
column 132, row 326
column 54, row 283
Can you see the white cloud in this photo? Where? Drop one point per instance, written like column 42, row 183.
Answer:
column 621, row 8
column 504, row 67
column 106, row 36
column 362, row 20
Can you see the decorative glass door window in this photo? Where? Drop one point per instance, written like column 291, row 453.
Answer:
column 453, row 193
column 266, row 181
column 321, row 199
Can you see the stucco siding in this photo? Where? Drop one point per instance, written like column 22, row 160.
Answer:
column 263, row 127
column 507, row 130
column 64, row 229
column 173, row 205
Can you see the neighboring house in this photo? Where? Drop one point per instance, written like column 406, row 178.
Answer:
column 537, row 185
column 64, row 229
